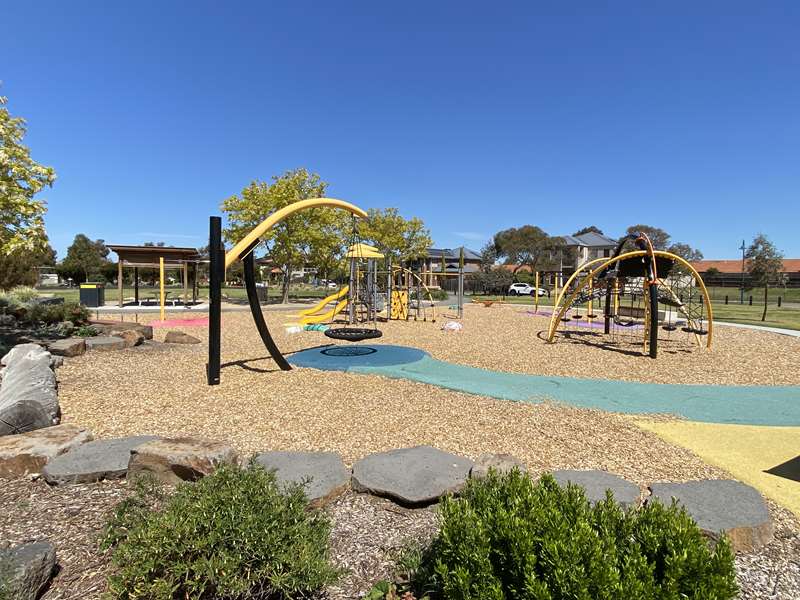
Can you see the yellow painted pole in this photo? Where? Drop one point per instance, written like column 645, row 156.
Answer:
column 161, row 284
column 536, row 292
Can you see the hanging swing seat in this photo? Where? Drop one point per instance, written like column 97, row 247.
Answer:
column 590, row 316
column 669, row 327
column 353, row 334
column 695, row 330
column 621, row 323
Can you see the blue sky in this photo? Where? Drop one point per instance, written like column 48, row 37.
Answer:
column 472, row 116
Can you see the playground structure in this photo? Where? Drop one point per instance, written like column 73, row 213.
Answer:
column 220, row 260
column 361, row 298
column 642, row 292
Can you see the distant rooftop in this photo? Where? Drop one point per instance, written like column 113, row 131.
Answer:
column 590, row 239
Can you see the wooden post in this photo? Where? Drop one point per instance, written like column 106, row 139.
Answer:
column 136, row 285
column 119, row 281
column 185, row 283
column 161, row 286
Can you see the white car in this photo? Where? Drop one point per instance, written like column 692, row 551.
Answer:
column 525, row 289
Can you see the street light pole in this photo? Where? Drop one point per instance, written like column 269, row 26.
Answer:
column 741, row 288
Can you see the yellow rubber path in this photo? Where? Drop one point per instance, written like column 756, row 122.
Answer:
column 745, row 451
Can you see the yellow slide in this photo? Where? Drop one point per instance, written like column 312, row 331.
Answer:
column 308, row 320
column 321, row 304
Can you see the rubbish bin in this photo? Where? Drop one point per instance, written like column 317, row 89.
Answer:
column 261, row 292
column 93, row 294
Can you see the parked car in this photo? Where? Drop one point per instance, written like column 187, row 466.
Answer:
column 525, row 289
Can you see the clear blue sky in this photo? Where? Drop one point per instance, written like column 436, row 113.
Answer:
column 473, row 116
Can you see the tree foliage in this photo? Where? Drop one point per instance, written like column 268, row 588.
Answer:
column 527, row 246
column 399, row 238
column 661, row 240
column 86, row 259
column 589, row 229
column 300, row 238
column 18, row 267
column 765, row 265
column 21, row 178
column 488, row 257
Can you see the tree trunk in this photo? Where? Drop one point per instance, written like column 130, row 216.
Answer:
column 766, row 292
column 287, row 276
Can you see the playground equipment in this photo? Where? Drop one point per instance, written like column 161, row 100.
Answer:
column 220, row 260
column 642, row 291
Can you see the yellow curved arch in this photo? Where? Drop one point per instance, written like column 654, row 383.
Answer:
column 607, row 262
column 240, row 248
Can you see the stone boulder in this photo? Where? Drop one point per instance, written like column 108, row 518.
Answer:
column 28, row 569
column 105, row 343
column 7, row 320
column 27, row 453
column 28, row 393
column 131, row 337
column 722, row 506
column 93, row 461
column 107, row 327
column 500, row 463
column 74, row 346
column 322, row 474
column 411, row 476
column 178, row 337
column 180, row 459
column 596, row 483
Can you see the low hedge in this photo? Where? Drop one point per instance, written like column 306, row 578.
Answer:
column 508, row 537
column 233, row 534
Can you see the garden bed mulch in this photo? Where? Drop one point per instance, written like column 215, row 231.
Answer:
column 368, row 535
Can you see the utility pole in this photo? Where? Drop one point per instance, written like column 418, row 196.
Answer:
column 741, row 287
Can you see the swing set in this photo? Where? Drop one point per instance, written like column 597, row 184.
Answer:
column 642, row 291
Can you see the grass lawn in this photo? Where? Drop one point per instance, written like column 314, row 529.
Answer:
column 785, row 317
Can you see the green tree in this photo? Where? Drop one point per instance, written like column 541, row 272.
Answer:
column 527, row 246
column 400, row 239
column 85, row 258
column 765, row 265
column 658, row 237
column 18, row 267
column 685, row 251
column 589, row 229
column 488, row 257
column 21, row 178
column 291, row 242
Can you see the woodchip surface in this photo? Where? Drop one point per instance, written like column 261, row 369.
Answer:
column 161, row 389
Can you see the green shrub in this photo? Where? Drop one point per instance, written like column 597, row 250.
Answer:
column 509, row 537
column 22, row 294
column 85, row 331
column 234, row 534
column 56, row 313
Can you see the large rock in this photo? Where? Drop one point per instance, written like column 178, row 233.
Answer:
column 180, row 459
column 28, row 452
column 411, row 476
column 93, row 461
column 322, row 474
column 178, row 337
column 105, row 342
column 68, row 347
column 106, row 327
column 28, row 394
column 8, row 320
column 595, row 484
column 722, row 506
column 500, row 463
column 27, row 569
column 131, row 337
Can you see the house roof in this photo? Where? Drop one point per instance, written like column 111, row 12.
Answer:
column 453, row 253
column 590, row 239
column 734, row 265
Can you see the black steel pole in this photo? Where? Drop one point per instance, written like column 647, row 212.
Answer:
column 216, row 274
